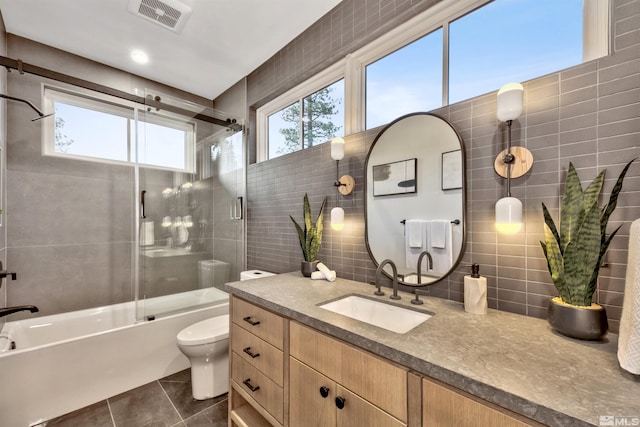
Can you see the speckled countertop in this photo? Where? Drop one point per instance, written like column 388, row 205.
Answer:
column 514, row 361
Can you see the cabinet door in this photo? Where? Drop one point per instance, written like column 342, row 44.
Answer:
column 307, row 406
column 359, row 412
column 443, row 407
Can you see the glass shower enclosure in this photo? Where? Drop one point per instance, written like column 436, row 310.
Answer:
column 190, row 228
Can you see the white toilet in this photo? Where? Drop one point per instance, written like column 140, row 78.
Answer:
column 206, row 344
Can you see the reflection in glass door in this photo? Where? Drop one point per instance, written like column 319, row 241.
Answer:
column 190, row 188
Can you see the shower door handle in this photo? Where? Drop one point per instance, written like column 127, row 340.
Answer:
column 142, row 203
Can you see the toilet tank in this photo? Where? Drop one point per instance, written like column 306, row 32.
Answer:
column 213, row 273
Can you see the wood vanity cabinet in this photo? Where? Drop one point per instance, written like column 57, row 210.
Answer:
column 336, row 384
column 444, row 406
column 257, row 357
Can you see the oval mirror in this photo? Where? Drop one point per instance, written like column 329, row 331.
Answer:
column 415, row 198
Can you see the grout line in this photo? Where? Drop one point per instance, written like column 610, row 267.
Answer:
column 113, row 421
column 170, row 401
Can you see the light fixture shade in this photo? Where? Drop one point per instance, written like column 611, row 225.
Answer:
column 508, row 215
column 337, row 218
column 337, row 148
column 510, row 102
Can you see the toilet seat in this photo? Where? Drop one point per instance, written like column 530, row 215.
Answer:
column 205, row 332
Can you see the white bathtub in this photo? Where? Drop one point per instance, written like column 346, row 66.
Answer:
column 67, row 361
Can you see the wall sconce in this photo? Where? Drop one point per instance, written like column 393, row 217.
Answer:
column 344, row 185
column 513, row 162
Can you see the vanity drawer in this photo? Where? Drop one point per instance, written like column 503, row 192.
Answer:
column 258, row 386
column 258, row 321
column 380, row 382
column 262, row 355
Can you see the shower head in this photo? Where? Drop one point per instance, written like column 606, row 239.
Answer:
column 41, row 115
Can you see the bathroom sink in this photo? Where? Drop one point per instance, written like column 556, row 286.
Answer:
column 413, row 279
column 389, row 316
column 165, row 252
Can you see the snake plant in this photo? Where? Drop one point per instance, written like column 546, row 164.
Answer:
column 574, row 251
column 311, row 236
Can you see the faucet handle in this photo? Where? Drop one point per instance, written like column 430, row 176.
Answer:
column 417, row 292
column 378, row 292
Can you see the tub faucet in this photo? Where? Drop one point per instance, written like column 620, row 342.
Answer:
column 10, row 310
column 429, row 267
column 395, row 276
column 5, row 273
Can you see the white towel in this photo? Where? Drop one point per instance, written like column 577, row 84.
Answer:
column 439, row 230
column 411, row 254
column 629, row 337
column 441, row 253
column 414, row 233
column 330, row 275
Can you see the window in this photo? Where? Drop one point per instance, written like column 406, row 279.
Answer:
column 310, row 121
column 100, row 129
column 456, row 50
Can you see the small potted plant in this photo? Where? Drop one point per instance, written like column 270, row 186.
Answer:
column 310, row 237
column 574, row 253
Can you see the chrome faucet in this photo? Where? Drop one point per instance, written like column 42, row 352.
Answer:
column 395, row 277
column 429, row 267
column 10, row 310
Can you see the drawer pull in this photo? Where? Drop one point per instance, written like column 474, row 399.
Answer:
column 248, row 351
column 247, row 382
column 340, row 402
column 324, row 391
column 251, row 322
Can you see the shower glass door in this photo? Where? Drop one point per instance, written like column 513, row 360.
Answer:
column 189, row 188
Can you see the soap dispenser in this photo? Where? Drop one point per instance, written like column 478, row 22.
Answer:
column 475, row 292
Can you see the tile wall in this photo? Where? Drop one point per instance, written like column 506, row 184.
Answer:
column 588, row 114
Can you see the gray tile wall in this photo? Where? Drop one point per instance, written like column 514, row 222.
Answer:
column 588, row 114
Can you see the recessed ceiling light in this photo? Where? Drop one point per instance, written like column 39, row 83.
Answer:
column 139, row 56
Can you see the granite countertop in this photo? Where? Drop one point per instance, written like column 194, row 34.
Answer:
column 514, row 361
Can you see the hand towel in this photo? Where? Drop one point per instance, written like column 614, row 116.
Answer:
column 146, row 231
column 629, row 337
column 330, row 275
column 441, row 252
column 413, row 230
column 439, row 230
column 411, row 254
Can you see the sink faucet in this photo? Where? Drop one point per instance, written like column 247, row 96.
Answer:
column 10, row 310
column 429, row 267
column 395, row 276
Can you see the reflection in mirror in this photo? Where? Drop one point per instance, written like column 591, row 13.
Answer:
column 415, row 198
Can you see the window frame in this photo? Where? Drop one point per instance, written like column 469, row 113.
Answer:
column 133, row 112
column 596, row 44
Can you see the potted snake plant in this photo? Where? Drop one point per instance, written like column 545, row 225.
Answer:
column 310, row 237
column 574, row 253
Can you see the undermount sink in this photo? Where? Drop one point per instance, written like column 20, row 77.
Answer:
column 413, row 279
column 383, row 314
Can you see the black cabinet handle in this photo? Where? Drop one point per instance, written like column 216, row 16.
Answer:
column 324, row 391
column 247, row 382
column 251, row 322
column 340, row 402
column 248, row 351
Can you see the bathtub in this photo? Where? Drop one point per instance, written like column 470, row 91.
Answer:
column 67, row 361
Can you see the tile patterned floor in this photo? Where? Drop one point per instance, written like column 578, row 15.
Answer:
column 164, row 403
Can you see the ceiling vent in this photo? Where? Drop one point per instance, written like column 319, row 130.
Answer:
column 169, row 14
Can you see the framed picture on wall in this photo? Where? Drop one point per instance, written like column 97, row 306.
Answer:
column 395, row 178
column 452, row 170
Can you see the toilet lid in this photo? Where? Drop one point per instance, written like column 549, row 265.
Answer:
column 205, row 331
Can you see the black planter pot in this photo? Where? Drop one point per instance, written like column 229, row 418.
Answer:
column 577, row 322
column 308, row 267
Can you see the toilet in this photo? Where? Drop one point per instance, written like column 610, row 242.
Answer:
column 206, row 343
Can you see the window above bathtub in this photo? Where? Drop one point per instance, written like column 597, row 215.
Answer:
column 456, row 50
column 95, row 127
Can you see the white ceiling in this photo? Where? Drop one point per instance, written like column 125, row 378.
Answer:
column 222, row 41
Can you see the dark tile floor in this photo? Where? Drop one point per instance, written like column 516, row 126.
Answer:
column 164, row 403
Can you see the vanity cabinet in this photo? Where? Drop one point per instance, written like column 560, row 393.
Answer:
column 443, row 406
column 257, row 355
column 335, row 384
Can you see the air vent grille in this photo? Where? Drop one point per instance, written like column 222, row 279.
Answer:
column 170, row 14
